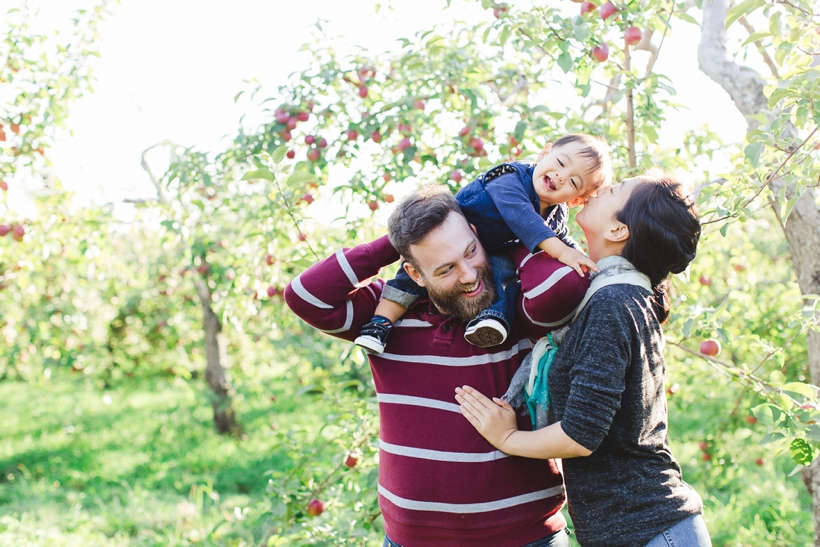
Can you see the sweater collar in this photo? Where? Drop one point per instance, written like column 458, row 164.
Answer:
column 613, row 265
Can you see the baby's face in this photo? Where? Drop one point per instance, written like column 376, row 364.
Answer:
column 563, row 175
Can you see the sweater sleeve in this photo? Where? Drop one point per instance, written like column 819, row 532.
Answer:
column 550, row 292
column 597, row 377
column 334, row 295
column 514, row 205
column 557, row 221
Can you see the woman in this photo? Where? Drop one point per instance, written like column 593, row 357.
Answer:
column 609, row 420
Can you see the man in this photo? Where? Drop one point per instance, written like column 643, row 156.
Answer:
column 440, row 483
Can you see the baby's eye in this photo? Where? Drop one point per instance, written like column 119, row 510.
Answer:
column 574, row 185
column 560, row 163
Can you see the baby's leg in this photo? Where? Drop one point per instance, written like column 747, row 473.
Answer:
column 492, row 325
column 390, row 310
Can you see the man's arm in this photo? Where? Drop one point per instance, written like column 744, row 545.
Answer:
column 550, row 292
column 329, row 296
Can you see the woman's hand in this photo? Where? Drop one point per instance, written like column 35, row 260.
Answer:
column 494, row 419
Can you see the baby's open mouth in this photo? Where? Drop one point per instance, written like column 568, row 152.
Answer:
column 548, row 183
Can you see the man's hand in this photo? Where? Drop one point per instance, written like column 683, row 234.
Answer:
column 494, row 419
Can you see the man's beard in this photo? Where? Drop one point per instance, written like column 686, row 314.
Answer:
column 453, row 302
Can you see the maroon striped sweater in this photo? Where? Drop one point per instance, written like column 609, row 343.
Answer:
column 440, row 483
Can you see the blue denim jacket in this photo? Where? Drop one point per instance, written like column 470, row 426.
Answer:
column 503, row 206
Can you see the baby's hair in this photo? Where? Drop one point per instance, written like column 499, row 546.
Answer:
column 596, row 151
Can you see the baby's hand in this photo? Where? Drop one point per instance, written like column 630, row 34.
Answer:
column 577, row 260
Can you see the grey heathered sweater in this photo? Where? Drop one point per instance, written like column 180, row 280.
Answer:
column 607, row 389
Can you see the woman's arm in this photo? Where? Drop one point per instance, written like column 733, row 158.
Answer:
column 495, row 421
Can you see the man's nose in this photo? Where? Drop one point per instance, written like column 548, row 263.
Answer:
column 467, row 274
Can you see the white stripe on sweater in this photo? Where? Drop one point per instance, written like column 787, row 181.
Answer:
column 345, row 265
column 416, row 401
column 466, row 508
column 470, row 361
column 439, row 455
column 303, row 293
column 348, row 319
column 558, row 323
column 547, row 284
column 412, row 323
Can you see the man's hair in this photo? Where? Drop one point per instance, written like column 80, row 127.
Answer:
column 419, row 214
column 595, row 151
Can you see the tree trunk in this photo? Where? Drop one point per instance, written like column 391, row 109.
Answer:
column 216, row 355
column 802, row 228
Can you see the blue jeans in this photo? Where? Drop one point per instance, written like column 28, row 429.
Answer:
column 690, row 532
column 558, row 539
column 403, row 290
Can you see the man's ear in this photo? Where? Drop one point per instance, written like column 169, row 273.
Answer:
column 474, row 229
column 414, row 274
column 545, row 151
column 619, row 233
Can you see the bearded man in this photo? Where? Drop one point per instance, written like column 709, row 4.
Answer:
column 440, row 483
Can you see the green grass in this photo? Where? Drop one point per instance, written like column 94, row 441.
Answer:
column 135, row 465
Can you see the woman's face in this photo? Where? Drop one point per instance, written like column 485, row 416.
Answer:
column 598, row 215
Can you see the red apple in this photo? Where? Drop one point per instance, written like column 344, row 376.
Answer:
column 313, row 154
column 352, row 134
column 291, row 154
column 269, row 260
column 282, row 116
column 705, row 280
column 373, row 205
column 18, row 232
column 751, row 420
column 286, row 135
column 376, row 136
column 608, row 10
column 710, row 347
column 477, row 143
column 601, row 52
column 759, row 461
column 315, row 507
column 15, row 128
column 363, row 91
column 292, row 122
column 301, row 237
column 405, row 129
column 387, row 177
column 464, row 131
column 456, row 176
column 632, row 36
column 418, row 103
column 706, row 456
column 351, row 460
column 303, row 116
column 739, row 267
column 388, row 198
column 587, row 7
column 272, row 291
column 203, row 269
column 703, row 445
column 4, row 186
column 307, row 198
column 404, row 144
column 323, row 143
column 4, row 229
column 310, row 139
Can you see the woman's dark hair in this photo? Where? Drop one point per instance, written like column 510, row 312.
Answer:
column 664, row 230
column 419, row 214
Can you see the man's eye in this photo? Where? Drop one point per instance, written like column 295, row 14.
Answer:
column 472, row 251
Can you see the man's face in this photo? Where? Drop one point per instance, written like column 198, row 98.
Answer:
column 452, row 266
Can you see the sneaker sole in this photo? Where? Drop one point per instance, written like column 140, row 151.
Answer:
column 485, row 337
column 371, row 345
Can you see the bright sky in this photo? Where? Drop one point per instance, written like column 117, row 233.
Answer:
column 170, row 69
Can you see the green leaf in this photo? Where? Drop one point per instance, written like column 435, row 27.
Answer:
column 767, row 414
column 565, row 62
column 581, row 30
column 300, row 177
column 753, row 152
column 279, row 154
column 688, row 18
column 744, row 8
column 776, row 95
column 724, row 229
column 799, row 388
column 801, row 451
column 236, row 97
column 813, row 431
column 264, row 174
column 755, row 36
column 520, row 129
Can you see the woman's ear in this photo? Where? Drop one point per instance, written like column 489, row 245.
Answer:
column 414, row 274
column 619, row 233
column 545, row 151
